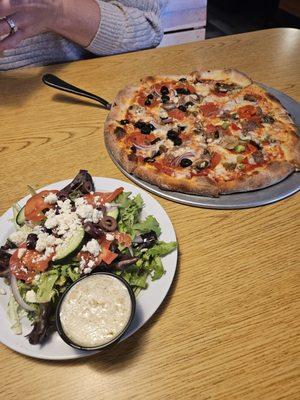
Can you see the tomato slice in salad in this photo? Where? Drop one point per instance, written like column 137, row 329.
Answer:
column 24, row 265
column 108, row 256
column 123, row 238
column 102, row 197
column 86, row 256
column 18, row 269
column 36, row 204
column 105, row 254
column 36, row 261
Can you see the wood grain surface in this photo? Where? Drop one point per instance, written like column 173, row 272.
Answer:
column 229, row 327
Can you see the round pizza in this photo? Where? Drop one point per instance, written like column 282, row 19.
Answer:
column 208, row 133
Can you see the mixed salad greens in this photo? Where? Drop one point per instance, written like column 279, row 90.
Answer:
column 63, row 235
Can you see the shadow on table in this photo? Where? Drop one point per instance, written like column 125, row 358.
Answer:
column 17, row 86
column 119, row 357
column 70, row 99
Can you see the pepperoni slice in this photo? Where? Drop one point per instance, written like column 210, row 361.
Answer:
column 234, row 127
column 163, row 168
column 209, row 109
column 177, row 114
column 216, row 158
column 210, row 128
column 247, row 112
column 142, row 98
column 140, row 139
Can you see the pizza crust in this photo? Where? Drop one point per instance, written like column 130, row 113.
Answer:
column 196, row 185
column 120, row 104
column 225, row 75
column 260, row 178
column 117, row 112
column 267, row 176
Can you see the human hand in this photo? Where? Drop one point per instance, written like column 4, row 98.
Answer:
column 68, row 18
column 31, row 17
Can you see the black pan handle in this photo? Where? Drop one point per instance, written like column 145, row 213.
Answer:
column 57, row 83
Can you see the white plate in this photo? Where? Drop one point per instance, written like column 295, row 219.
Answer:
column 148, row 300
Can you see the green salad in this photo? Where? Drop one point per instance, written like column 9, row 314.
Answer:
column 64, row 234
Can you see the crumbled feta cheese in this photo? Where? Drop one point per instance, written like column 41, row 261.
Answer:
column 41, row 243
column 65, row 206
column 82, row 264
column 48, row 251
column 58, row 241
column 85, row 211
column 76, row 269
column 37, row 229
column 87, row 270
column 50, row 240
column 51, row 198
column 18, row 237
column 109, row 236
column 92, row 247
column 51, row 221
column 97, row 215
column 21, row 253
column 91, row 264
column 45, row 241
column 64, row 222
column 30, row 296
column 80, row 201
column 2, row 291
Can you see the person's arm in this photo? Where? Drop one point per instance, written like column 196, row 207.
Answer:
column 128, row 25
column 76, row 20
column 101, row 27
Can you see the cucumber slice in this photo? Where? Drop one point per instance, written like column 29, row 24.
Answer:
column 113, row 213
column 70, row 247
column 20, row 218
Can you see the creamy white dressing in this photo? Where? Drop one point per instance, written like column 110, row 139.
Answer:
column 95, row 310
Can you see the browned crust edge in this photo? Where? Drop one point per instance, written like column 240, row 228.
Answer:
column 269, row 175
column 117, row 111
column 272, row 174
column 224, row 74
column 197, row 185
column 291, row 144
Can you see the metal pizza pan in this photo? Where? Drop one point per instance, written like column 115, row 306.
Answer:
column 255, row 198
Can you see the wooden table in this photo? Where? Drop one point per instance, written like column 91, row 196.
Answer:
column 229, row 328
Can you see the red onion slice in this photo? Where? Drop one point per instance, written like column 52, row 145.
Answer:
column 145, row 147
column 17, row 296
column 166, row 120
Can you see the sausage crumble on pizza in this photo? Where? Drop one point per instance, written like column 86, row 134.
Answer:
column 208, row 133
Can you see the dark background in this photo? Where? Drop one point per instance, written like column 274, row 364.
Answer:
column 227, row 17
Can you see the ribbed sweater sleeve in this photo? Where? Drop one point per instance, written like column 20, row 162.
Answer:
column 127, row 26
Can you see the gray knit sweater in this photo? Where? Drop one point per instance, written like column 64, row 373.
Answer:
column 125, row 25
